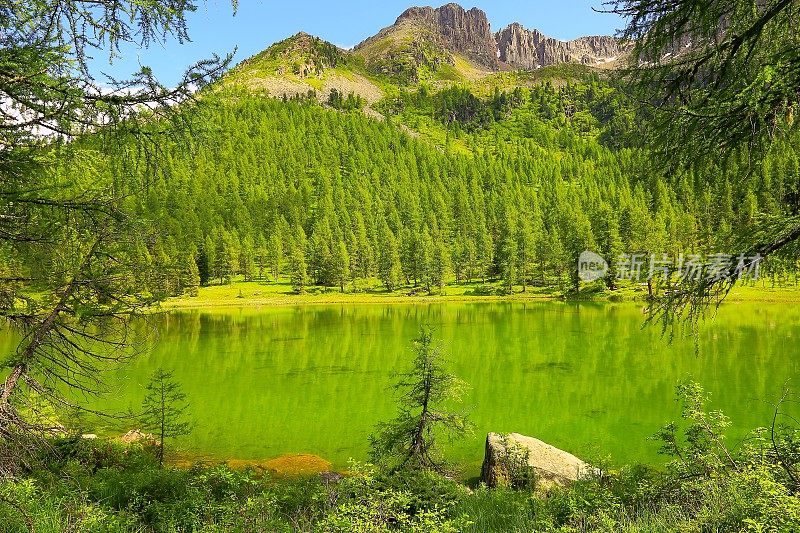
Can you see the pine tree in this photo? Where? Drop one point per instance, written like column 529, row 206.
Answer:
column 389, row 268
column 163, row 285
column 247, row 263
column 261, row 255
column 460, row 259
column 363, row 251
column 275, row 255
column 440, row 264
column 509, row 261
column 298, row 268
column 508, row 249
column 409, row 441
column 526, row 244
column 203, row 266
column 224, row 259
column 190, row 276
column 410, row 256
column 579, row 238
column 609, row 242
column 210, row 250
column 298, row 274
column 485, row 253
column 425, row 260
column 322, row 252
column 164, row 410
column 341, row 265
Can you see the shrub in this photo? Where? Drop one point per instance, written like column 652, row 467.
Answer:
column 514, row 468
column 427, row 489
column 364, row 504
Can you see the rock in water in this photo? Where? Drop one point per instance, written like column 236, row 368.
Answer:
column 509, row 457
column 136, row 436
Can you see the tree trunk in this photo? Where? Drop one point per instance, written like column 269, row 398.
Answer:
column 38, row 337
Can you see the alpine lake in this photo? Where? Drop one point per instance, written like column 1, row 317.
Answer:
column 588, row 378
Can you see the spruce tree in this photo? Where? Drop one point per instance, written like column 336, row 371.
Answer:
column 389, row 268
column 526, row 245
column 298, row 268
column 275, row 255
column 210, row 250
column 425, row 262
column 341, row 265
column 440, row 264
column 164, row 410
column 410, row 440
column 190, row 276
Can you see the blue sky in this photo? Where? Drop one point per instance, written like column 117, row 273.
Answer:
column 260, row 23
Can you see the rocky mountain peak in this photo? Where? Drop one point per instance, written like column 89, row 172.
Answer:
column 458, row 30
column 416, row 13
column 519, row 47
column 468, row 32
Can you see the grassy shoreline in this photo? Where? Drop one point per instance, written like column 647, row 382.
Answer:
column 260, row 294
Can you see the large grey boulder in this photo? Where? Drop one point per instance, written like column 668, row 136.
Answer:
column 512, row 460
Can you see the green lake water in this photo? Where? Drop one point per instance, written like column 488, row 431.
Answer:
column 587, row 378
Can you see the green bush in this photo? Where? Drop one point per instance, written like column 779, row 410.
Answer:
column 366, row 504
column 26, row 507
column 427, row 490
column 98, row 486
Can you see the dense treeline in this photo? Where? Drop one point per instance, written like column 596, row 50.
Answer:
column 273, row 188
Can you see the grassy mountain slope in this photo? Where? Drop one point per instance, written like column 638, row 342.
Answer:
column 304, row 63
column 400, row 59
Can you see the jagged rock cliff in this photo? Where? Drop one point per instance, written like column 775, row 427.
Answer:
column 457, row 30
column 519, row 47
column 427, row 35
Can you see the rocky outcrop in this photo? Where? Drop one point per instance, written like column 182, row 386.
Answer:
column 431, row 37
column 519, row 47
column 458, row 30
column 510, row 458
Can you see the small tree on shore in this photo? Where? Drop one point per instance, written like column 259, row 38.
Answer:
column 164, row 410
column 410, row 440
column 298, row 270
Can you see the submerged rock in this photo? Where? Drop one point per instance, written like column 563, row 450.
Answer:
column 134, row 436
column 512, row 460
column 298, row 465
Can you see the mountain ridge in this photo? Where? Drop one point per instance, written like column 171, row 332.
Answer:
column 528, row 49
column 468, row 32
column 438, row 46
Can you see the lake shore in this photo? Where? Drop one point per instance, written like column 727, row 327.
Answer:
column 258, row 294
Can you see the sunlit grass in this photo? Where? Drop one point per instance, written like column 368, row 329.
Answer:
column 240, row 293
